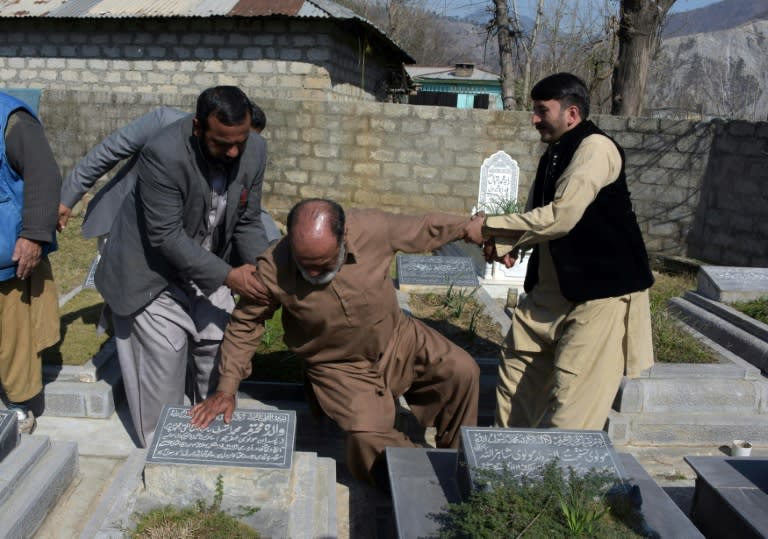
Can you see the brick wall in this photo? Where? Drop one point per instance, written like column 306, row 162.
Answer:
column 414, row 159
column 270, row 57
column 731, row 222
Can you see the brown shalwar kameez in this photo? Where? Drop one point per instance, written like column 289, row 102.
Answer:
column 360, row 351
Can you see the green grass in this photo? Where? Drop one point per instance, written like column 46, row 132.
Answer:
column 202, row 521
column 552, row 505
column 79, row 339
column 757, row 309
column 671, row 344
column 73, row 258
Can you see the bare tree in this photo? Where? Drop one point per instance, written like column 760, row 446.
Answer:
column 563, row 36
column 639, row 34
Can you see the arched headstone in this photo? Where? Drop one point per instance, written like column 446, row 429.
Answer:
column 499, row 179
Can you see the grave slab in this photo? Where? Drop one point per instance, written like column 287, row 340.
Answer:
column 253, row 455
column 528, row 451
column 421, row 272
column 730, row 283
column 423, row 482
column 731, row 496
column 9, row 432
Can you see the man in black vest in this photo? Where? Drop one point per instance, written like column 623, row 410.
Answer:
column 585, row 319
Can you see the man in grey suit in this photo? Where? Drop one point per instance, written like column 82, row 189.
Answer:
column 125, row 143
column 166, row 271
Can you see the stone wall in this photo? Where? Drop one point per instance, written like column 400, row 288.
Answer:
column 731, row 222
column 267, row 57
column 413, row 158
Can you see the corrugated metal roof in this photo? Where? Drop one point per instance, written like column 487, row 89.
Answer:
column 127, row 9
column 449, row 73
column 174, row 8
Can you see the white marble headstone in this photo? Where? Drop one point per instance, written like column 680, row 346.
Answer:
column 499, row 179
column 499, row 182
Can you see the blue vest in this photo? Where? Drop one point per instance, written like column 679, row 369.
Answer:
column 11, row 195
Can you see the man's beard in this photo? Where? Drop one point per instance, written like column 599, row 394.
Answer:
column 327, row 277
column 216, row 161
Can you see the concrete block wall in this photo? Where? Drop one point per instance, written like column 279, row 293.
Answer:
column 413, row 158
column 734, row 197
column 303, row 59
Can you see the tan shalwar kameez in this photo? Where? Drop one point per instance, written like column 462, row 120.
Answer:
column 360, row 351
column 562, row 362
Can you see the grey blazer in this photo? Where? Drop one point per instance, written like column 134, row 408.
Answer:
column 156, row 237
column 124, row 143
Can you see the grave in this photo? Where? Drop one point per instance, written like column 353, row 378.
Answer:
column 34, row 473
column 731, row 496
column 527, row 452
column 253, row 454
column 728, row 284
column 424, row 273
column 497, row 190
column 424, row 481
column 499, row 183
column 253, row 457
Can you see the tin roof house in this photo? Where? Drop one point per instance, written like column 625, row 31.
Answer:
column 463, row 86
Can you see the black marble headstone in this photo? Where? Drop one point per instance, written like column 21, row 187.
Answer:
column 9, row 432
column 254, row 438
column 436, row 270
column 528, row 451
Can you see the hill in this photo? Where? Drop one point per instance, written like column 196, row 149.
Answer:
column 720, row 73
column 715, row 17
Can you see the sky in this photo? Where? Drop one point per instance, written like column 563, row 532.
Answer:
column 457, row 8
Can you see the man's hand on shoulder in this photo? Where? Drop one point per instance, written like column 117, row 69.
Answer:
column 242, row 280
column 205, row 412
column 27, row 255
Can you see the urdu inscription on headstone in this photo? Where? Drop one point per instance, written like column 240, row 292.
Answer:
column 254, row 438
column 423, row 270
column 499, row 184
column 499, row 178
column 527, row 451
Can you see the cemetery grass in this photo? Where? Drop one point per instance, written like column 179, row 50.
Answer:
column 79, row 339
column 757, row 309
column 554, row 505
column 73, row 258
column 202, row 521
column 80, row 315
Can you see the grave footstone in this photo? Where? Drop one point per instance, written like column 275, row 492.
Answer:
column 9, row 432
column 528, row 451
column 731, row 496
column 728, row 284
column 252, row 454
column 420, row 272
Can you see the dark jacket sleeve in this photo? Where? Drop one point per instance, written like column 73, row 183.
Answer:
column 31, row 157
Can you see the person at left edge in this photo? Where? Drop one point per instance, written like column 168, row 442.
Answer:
column 165, row 271
column 29, row 304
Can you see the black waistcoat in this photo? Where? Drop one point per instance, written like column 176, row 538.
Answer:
column 604, row 254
